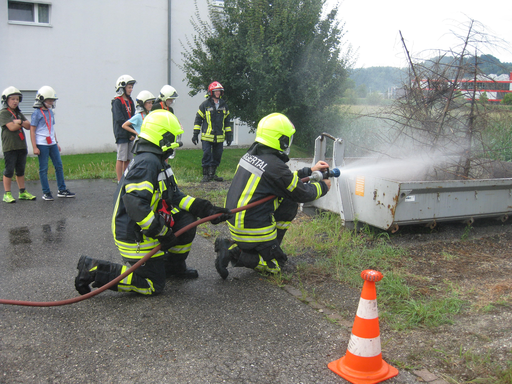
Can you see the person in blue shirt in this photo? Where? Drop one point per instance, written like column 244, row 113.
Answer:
column 45, row 144
column 145, row 100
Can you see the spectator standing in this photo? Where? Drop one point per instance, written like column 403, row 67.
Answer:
column 144, row 102
column 123, row 108
column 214, row 123
column 166, row 99
column 14, row 144
column 45, row 144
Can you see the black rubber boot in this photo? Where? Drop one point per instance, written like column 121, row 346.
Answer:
column 213, row 176
column 224, row 256
column 206, row 175
column 86, row 274
column 180, row 269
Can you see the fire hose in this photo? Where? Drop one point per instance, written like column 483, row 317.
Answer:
column 315, row 176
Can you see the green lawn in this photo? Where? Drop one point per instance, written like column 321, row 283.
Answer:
column 186, row 165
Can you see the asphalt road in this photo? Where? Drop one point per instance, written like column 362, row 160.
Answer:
column 242, row 330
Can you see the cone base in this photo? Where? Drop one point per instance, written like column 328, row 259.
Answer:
column 385, row 372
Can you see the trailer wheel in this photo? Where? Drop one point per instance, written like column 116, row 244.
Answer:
column 431, row 225
column 503, row 218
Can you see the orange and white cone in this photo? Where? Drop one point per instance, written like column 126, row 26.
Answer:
column 363, row 362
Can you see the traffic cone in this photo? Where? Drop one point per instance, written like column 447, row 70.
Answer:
column 363, row 362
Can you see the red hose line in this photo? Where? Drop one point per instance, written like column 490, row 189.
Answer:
column 134, row 266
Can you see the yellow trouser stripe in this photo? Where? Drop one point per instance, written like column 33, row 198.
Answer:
column 125, row 285
column 283, row 224
column 180, row 249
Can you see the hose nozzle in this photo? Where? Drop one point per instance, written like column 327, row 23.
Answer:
column 325, row 174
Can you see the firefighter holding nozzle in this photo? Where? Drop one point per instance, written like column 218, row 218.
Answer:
column 149, row 208
column 257, row 232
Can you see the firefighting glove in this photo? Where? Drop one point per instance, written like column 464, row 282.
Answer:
column 167, row 240
column 195, row 138
column 225, row 214
column 229, row 138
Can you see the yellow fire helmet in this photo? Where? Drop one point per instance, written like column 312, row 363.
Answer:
column 276, row 131
column 162, row 128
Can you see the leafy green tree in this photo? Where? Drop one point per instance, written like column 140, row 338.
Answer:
column 484, row 99
column 272, row 56
column 507, row 99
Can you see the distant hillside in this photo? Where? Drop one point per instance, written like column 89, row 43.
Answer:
column 377, row 79
column 380, row 79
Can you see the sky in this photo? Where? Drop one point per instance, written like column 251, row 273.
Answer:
column 372, row 27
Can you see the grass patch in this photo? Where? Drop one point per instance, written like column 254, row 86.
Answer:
column 343, row 254
column 186, row 165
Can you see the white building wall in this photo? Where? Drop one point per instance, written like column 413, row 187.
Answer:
column 88, row 46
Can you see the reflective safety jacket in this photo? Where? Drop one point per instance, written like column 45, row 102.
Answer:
column 213, row 123
column 261, row 172
column 136, row 223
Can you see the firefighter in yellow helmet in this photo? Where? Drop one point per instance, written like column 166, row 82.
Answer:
column 148, row 209
column 257, row 232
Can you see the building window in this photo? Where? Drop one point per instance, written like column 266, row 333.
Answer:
column 26, row 105
column 24, row 12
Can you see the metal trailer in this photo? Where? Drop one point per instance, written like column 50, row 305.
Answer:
column 386, row 203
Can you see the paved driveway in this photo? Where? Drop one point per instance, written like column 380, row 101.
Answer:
column 242, row 330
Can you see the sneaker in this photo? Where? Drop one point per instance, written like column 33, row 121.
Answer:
column 48, row 196
column 26, row 196
column 65, row 193
column 223, row 258
column 8, row 198
column 86, row 274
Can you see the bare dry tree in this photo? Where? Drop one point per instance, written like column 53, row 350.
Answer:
column 433, row 114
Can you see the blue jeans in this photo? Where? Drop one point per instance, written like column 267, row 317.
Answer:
column 51, row 151
column 212, row 153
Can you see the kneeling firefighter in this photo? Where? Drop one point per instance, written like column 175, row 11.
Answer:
column 148, row 209
column 258, row 231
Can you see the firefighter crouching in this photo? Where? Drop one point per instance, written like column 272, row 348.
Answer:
column 257, row 233
column 148, row 209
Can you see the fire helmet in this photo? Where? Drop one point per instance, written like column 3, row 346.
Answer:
column 215, row 86
column 10, row 91
column 144, row 96
column 275, row 131
column 123, row 81
column 168, row 92
column 163, row 129
column 46, row 92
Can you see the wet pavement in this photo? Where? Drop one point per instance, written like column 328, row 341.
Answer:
column 242, row 330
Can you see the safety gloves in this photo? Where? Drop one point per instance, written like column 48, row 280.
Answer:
column 225, row 214
column 229, row 138
column 195, row 138
column 167, row 240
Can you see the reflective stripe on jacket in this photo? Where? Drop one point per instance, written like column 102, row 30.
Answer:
column 135, row 221
column 213, row 123
column 261, row 172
